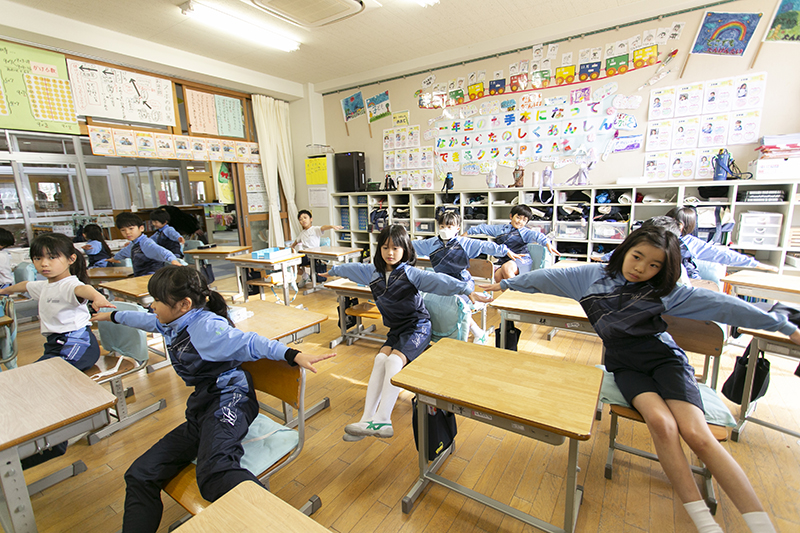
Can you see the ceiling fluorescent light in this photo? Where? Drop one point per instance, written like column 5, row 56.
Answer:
column 236, row 26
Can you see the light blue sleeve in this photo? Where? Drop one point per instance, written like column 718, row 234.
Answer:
column 216, row 340
column 702, row 304
column 569, row 282
column 154, row 251
column 492, row 230
column 137, row 319
column 442, row 284
column 534, row 236
column 95, row 247
column 124, row 253
column 361, row 273
column 476, row 247
column 171, row 233
column 426, row 247
column 716, row 254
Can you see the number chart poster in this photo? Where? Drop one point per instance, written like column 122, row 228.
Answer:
column 725, row 33
column 35, row 93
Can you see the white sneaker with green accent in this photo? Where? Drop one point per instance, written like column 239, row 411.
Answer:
column 482, row 339
column 351, row 438
column 381, row 430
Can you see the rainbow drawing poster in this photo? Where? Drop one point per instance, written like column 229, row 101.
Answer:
column 725, row 34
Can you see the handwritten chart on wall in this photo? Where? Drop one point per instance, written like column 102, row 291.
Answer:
column 106, row 92
column 35, row 94
column 230, row 116
column 213, row 114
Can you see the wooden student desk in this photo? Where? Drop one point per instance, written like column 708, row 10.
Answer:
column 246, row 261
column 542, row 310
column 538, row 397
column 328, row 253
column 765, row 285
column 103, row 274
column 130, row 289
column 219, row 252
column 248, row 508
column 343, row 287
column 44, row 403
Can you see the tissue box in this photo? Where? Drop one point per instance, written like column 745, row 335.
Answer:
column 238, row 314
column 272, row 254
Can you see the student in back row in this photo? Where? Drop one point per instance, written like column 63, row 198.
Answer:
column 309, row 238
column 165, row 235
column 516, row 237
column 6, row 273
column 96, row 248
column 146, row 256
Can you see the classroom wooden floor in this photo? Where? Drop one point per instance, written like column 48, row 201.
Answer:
column 362, row 484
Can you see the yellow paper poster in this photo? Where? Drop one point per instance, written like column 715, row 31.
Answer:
column 316, row 170
column 401, row 118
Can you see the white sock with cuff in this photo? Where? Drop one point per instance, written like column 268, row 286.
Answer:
column 759, row 522
column 389, row 392
column 701, row 516
column 374, row 387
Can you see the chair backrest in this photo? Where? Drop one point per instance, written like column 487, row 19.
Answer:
column 191, row 244
column 124, row 340
column 697, row 336
column 449, row 316
column 8, row 343
column 25, row 271
column 278, row 379
column 324, row 241
column 539, row 256
column 481, row 268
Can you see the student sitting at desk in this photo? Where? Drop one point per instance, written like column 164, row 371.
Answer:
column 206, row 351
column 165, row 235
column 396, row 287
column 310, row 238
column 624, row 301
column 6, row 274
column 695, row 248
column 146, row 256
column 516, row 237
column 450, row 254
column 96, row 248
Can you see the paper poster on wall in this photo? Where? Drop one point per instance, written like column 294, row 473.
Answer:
column 215, row 150
column 400, row 137
column 183, row 147
column 705, row 165
column 388, row 160
column 254, row 178
column 750, row 91
column 145, row 144
column 659, row 135
column 685, row 133
column 426, row 157
column 690, row 100
column 718, row 96
column 656, row 166
column 401, row 118
column 199, row 147
column 785, row 25
column 230, row 116
column 744, row 126
column 165, row 146
column 35, row 94
column 223, row 183
column 102, row 140
column 353, row 106
column 257, row 202
column 318, row 196
column 662, row 103
column 412, row 139
column 713, row 130
column 201, row 112
column 124, row 142
column 414, row 158
column 243, row 152
column 255, row 153
column 228, row 150
column 378, row 107
column 316, row 170
column 725, row 33
column 118, row 94
column 401, row 159
column 401, row 179
column 388, row 139
column 682, row 164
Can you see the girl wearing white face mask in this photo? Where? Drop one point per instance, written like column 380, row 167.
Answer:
column 450, row 254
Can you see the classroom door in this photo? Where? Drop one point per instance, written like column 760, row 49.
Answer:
column 253, row 204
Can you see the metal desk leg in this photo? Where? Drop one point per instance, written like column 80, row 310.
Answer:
column 574, row 493
column 197, row 263
column 503, row 328
column 17, row 517
column 342, row 324
column 424, row 468
column 752, row 359
column 285, row 272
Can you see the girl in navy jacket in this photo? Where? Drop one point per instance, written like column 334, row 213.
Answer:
column 395, row 284
column 206, row 351
column 624, row 301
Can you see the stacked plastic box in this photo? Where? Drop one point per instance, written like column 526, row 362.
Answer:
column 345, row 215
column 363, row 219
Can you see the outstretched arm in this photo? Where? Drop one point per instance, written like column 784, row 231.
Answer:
column 87, row 292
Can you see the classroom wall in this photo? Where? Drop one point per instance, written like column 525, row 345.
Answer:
column 780, row 114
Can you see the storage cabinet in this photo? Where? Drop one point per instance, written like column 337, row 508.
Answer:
column 763, row 228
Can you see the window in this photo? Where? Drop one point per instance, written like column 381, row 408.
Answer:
column 99, row 186
column 54, row 189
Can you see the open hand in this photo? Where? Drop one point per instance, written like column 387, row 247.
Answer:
column 553, row 250
column 491, row 288
column 511, row 255
column 307, row 360
column 101, row 317
column 481, row 297
column 99, row 303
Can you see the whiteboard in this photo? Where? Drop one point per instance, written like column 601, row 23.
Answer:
column 113, row 93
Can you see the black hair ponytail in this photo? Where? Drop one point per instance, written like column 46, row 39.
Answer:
column 171, row 284
column 57, row 244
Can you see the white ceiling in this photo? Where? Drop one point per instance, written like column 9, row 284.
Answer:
column 392, row 36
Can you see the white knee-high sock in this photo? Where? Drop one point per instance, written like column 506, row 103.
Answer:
column 473, row 327
column 389, row 392
column 701, row 516
column 758, row 522
column 374, row 387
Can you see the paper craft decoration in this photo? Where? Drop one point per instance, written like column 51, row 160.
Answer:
column 785, row 25
column 744, row 126
column 627, row 102
column 725, row 33
column 353, row 106
column 378, row 106
column 718, row 96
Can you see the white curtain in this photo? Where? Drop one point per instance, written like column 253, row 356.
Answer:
column 274, row 145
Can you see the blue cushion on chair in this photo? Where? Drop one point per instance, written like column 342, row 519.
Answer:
column 716, row 411
column 449, row 316
column 261, row 453
column 121, row 339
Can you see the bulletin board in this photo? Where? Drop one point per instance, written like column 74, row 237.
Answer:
column 35, row 92
column 214, row 114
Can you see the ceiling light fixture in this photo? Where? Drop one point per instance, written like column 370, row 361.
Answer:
column 426, row 3
column 239, row 27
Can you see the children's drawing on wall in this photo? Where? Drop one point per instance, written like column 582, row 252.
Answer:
column 676, row 30
column 725, row 33
column 353, row 106
column 662, row 36
column 378, row 106
column 785, row 26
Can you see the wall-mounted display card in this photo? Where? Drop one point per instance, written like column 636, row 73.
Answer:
column 243, row 152
column 183, row 147
column 124, row 142
column 690, row 100
column 426, row 157
column 215, row 150
column 412, row 138
column 414, row 158
column 713, row 130
column 705, row 164
column 685, row 132
column 388, row 139
column 165, row 146
column 656, row 166
column 718, row 96
column 401, row 179
column 662, row 103
column 682, row 164
column 228, row 150
column 400, row 137
column 401, row 159
column 118, row 94
column 750, row 91
column 659, row 135
column 744, row 126
column 199, row 147
column 255, row 154
column 102, row 140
